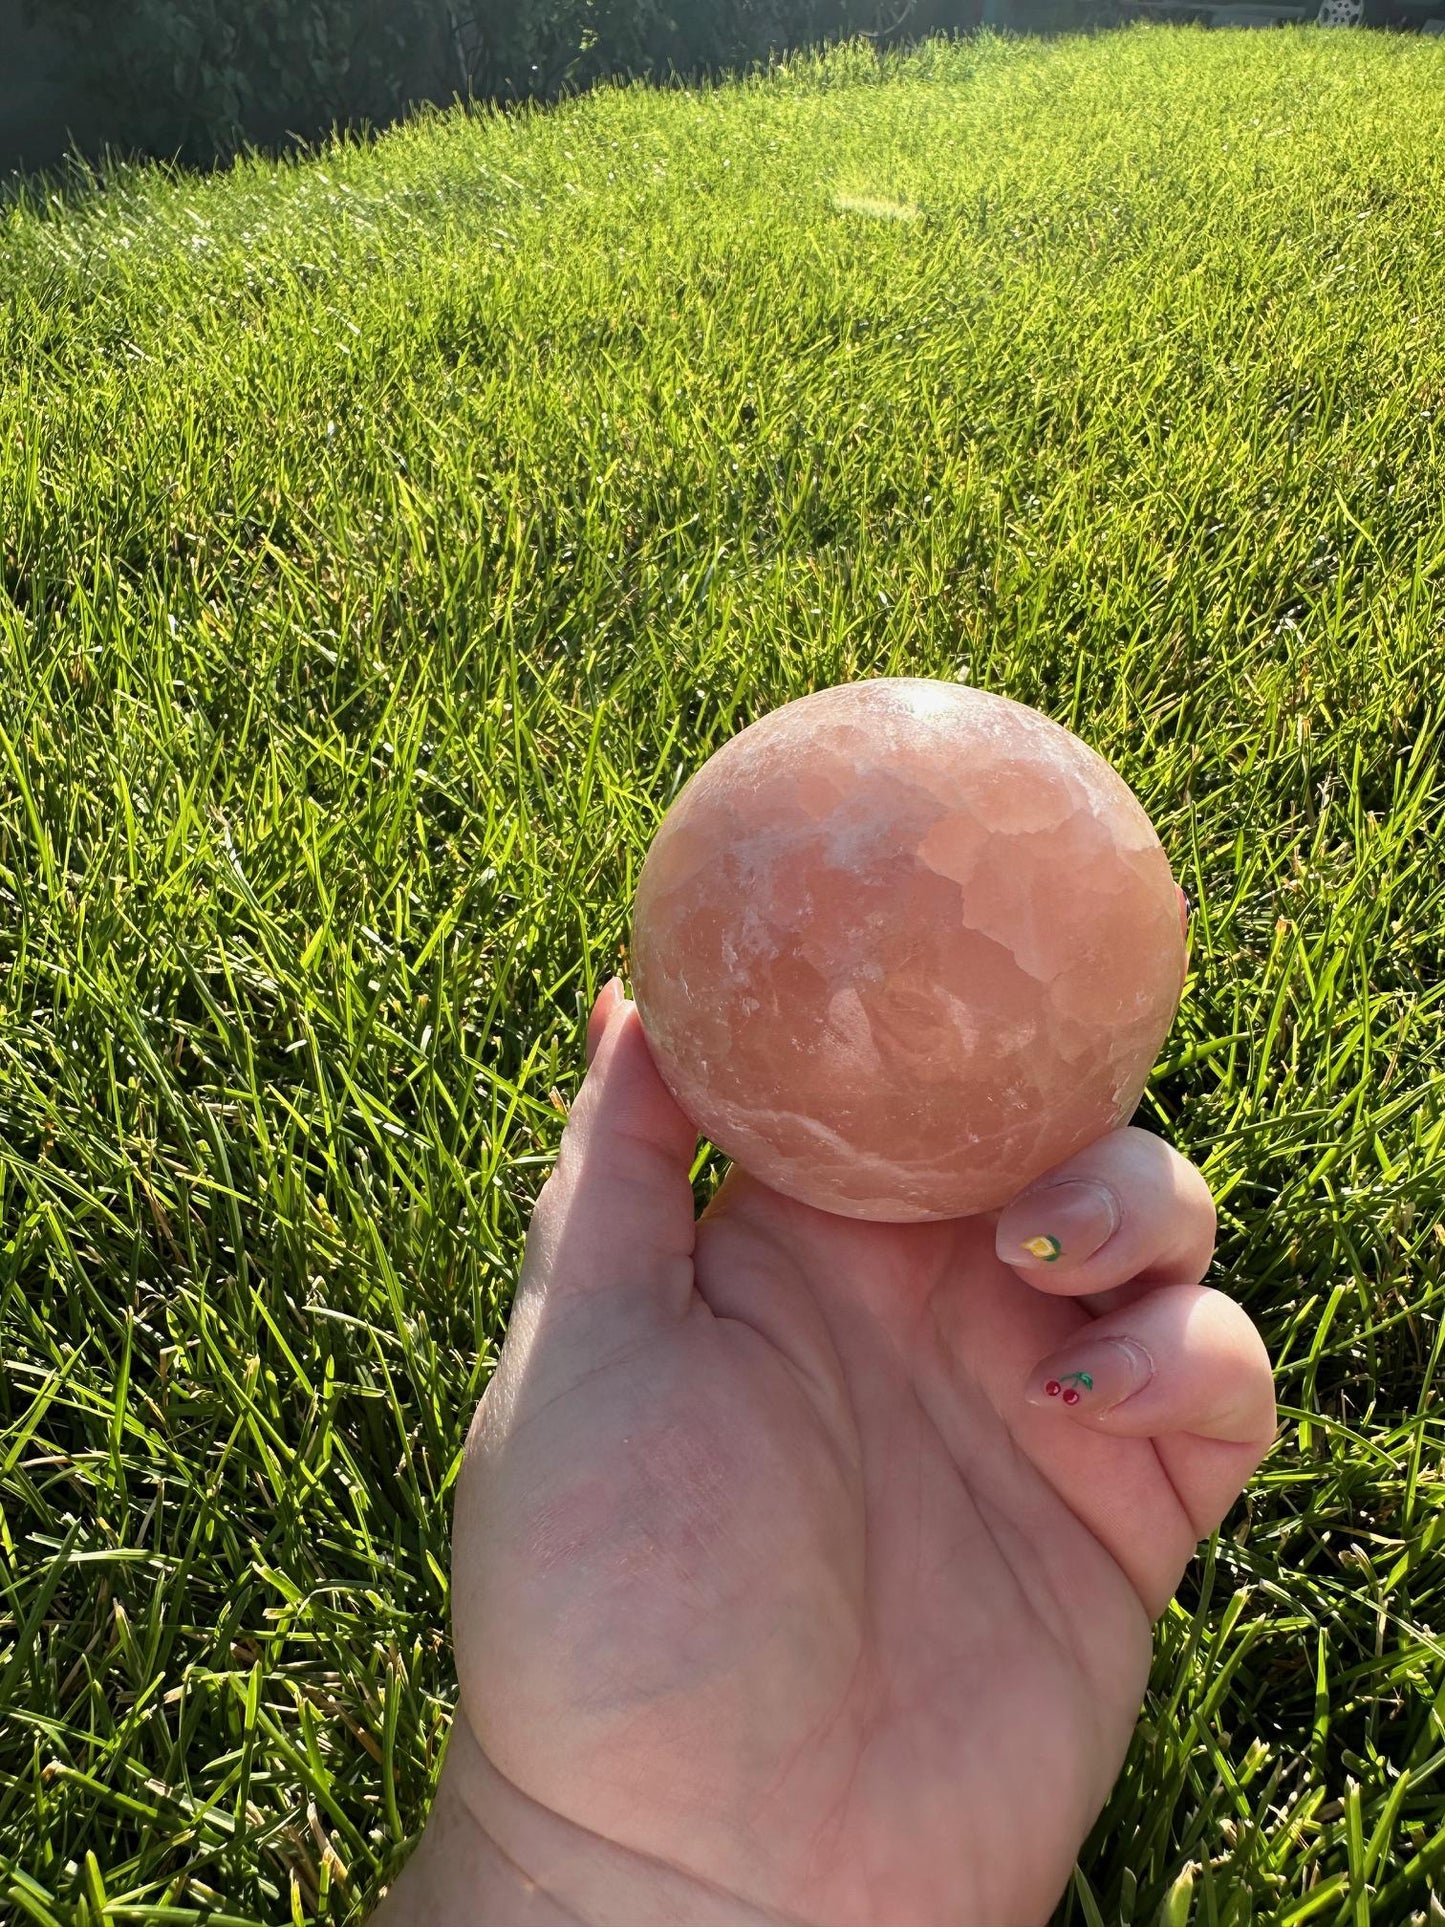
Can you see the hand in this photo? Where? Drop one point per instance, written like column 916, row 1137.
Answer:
column 786, row 1588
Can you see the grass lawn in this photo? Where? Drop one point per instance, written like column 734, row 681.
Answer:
column 383, row 539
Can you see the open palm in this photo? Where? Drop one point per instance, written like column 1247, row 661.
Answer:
column 785, row 1591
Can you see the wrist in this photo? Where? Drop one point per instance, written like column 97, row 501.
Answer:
column 456, row 1877
column 492, row 1857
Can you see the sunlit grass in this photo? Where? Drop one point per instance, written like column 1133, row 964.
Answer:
column 382, row 541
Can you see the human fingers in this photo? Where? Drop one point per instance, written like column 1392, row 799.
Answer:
column 1127, row 1212
column 616, row 1215
column 1182, row 1365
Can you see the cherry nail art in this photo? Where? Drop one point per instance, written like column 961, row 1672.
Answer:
column 1068, row 1386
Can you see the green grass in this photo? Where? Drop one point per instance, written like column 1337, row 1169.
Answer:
column 382, row 541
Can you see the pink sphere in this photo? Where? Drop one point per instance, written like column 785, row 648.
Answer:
column 902, row 946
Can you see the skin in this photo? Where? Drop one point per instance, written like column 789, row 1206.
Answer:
column 784, row 1590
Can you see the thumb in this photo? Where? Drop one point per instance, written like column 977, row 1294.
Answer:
column 616, row 1216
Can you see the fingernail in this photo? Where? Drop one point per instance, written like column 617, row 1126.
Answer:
column 1069, row 1221
column 608, row 998
column 1094, row 1375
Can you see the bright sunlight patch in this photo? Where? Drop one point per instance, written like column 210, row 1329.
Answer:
column 876, row 208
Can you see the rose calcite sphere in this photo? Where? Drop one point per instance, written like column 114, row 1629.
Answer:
column 902, row 946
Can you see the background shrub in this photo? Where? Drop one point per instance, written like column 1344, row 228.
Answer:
column 199, row 79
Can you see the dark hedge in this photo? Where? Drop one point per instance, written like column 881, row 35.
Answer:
column 199, row 79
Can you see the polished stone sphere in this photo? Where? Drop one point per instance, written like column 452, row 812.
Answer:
column 902, row 946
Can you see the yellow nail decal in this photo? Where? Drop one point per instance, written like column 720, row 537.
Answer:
column 1043, row 1247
